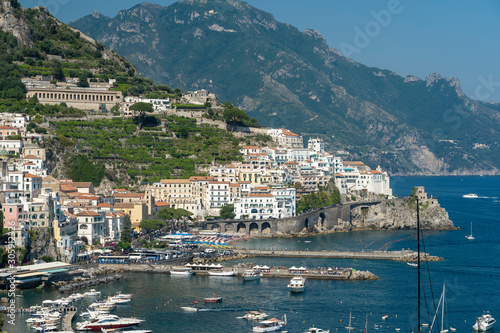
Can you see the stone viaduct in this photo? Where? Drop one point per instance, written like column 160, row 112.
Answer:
column 323, row 218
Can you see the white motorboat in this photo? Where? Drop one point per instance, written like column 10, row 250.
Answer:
column 484, row 323
column 189, row 308
column 220, row 273
column 117, row 300
column 183, row 271
column 254, row 315
column 270, row 325
column 412, row 264
column 76, row 296
column 92, row 292
column 252, row 274
column 120, row 295
column 109, row 322
column 471, row 195
column 470, row 237
column 317, row 330
column 297, row 284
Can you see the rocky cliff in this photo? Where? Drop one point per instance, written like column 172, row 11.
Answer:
column 399, row 214
column 43, row 244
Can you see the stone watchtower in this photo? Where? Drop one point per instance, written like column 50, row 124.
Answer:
column 423, row 197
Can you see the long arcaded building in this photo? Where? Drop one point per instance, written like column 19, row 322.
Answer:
column 81, row 98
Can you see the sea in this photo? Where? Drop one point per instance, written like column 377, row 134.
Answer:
column 470, row 272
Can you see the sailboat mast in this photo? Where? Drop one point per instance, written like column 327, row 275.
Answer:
column 442, row 308
column 418, row 264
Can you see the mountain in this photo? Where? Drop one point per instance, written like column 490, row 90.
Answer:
column 290, row 78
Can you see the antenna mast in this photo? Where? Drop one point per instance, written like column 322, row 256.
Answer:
column 418, row 264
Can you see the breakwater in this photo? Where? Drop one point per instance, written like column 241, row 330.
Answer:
column 403, row 255
column 273, row 272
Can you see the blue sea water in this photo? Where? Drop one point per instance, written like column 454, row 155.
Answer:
column 470, row 269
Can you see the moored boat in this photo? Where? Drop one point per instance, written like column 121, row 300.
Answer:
column 220, row 273
column 317, row 330
column 484, row 323
column 252, row 274
column 92, row 292
column 297, row 284
column 254, row 315
column 108, row 322
column 270, row 325
column 212, row 299
column 182, row 271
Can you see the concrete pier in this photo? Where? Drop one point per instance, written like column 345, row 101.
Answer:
column 68, row 318
column 404, row 255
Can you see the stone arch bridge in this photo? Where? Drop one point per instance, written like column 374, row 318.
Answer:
column 318, row 219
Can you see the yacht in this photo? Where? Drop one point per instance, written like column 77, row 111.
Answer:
column 108, row 322
column 471, row 195
column 297, row 284
column 484, row 323
column 252, row 274
column 270, row 325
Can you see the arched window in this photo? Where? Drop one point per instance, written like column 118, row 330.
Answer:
column 84, row 227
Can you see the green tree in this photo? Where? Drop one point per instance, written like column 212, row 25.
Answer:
column 142, row 107
column 123, row 246
column 173, row 213
column 57, row 71
column 80, row 169
column 82, row 80
column 48, row 258
column 235, row 116
column 126, row 235
column 152, row 224
column 227, row 212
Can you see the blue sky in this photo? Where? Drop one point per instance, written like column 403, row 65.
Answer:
column 452, row 37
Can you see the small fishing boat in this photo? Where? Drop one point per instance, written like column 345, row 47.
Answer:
column 412, row 264
column 385, row 317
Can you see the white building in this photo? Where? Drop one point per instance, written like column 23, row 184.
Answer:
column 91, row 226
column 280, row 203
column 316, row 145
column 217, row 196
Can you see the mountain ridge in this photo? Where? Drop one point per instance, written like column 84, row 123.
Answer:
column 288, row 78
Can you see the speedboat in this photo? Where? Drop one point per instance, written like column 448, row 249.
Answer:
column 252, row 274
column 484, row 323
column 471, row 195
column 220, row 273
column 297, row 284
column 108, row 322
column 254, row 315
column 212, row 299
column 270, row 325
column 92, row 292
column 189, row 308
column 317, row 330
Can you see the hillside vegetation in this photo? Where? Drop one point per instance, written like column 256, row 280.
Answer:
column 289, row 78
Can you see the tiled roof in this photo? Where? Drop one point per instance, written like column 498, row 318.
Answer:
column 88, row 213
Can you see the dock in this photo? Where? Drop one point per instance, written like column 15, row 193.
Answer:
column 403, row 255
column 68, row 318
